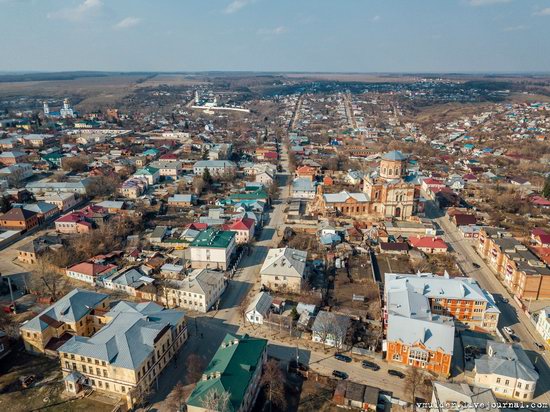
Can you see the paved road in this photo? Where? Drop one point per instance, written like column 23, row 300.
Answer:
column 511, row 313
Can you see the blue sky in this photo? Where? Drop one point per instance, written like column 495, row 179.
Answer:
column 276, row 35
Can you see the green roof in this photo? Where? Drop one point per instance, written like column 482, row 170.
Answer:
column 148, row 170
column 231, row 369
column 257, row 194
column 213, row 238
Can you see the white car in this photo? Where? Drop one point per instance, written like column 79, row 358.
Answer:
column 508, row 330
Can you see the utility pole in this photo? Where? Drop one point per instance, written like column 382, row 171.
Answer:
column 11, row 296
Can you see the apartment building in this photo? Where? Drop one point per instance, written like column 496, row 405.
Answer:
column 215, row 167
column 199, row 291
column 212, row 249
column 135, row 343
column 71, row 315
column 414, row 335
column 460, row 298
column 507, row 371
column 236, row 369
column 521, row 271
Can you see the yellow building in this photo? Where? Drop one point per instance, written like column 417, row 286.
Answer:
column 73, row 314
column 125, row 357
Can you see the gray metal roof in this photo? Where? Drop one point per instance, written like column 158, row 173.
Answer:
column 285, row 261
column 70, row 308
column 129, row 338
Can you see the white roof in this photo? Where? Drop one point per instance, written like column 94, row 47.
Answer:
column 285, row 261
column 344, row 196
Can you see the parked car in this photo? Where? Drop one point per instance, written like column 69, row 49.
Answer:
column 476, row 265
column 393, row 372
column 508, row 330
column 27, row 381
column 539, row 346
column 343, row 358
column 339, row 374
column 370, row 365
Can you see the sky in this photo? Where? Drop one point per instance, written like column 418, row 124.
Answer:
column 276, row 35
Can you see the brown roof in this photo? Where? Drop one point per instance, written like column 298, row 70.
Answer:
column 17, row 214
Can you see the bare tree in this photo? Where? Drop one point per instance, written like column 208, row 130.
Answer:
column 8, row 325
column 141, row 395
column 417, row 383
column 243, row 308
column 47, row 280
column 176, row 398
column 273, row 380
column 198, row 185
column 216, row 401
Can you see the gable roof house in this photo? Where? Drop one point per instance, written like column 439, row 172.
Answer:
column 259, row 308
column 284, row 269
column 507, row 371
column 65, row 318
column 18, row 218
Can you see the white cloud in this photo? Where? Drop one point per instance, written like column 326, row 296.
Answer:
column 376, row 18
column 477, row 3
column 127, row 23
column 273, row 32
column 86, row 9
column 237, row 5
column 543, row 12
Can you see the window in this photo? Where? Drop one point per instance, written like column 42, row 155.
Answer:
column 519, row 385
column 106, row 385
column 104, row 372
column 123, row 389
column 498, row 380
column 84, row 368
column 526, row 386
column 507, row 382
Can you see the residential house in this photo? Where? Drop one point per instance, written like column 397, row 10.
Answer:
column 266, row 178
column 259, row 308
column 71, row 315
column 198, row 291
column 134, row 187
column 448, row 396
column 78, row 186
column 18, row 218
column 12, row 157
column 306, row 172
column 182, row 200
column 30, row 251
column 213, row 249
column 44, row 211
column 235, row 369
column 90, row 272
column 284, row 269
column 303, row 188
column 16, row 174
column 63, row 201
column 215, row 167
column 134, row 344
column 330, row 329
column 169, row 169
column 507, row 371
column 150, row 174
column 244, row 229
column 428, row 244
column 131, row 281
